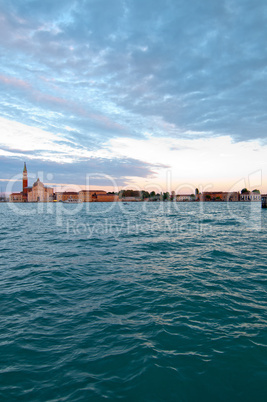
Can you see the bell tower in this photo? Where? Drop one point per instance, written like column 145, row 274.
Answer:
column 25, row 182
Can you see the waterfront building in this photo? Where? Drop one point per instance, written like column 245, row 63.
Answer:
column 66, row 196
column 185, row 197
column 89, row 195
column 96, row 196
column 250, row 196
column 16, row 197
column 106, row 198
column 85, row 196
column 233, row 196
column 220, row 196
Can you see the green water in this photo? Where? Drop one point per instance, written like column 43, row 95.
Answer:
column 141, row 302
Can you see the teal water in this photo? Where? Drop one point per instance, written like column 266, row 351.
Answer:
column 137, row 302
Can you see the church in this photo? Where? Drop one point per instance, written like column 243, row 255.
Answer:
column 37, row 193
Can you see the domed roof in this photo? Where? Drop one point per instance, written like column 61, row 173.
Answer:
column 38, row 183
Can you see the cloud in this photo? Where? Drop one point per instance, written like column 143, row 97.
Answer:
column 98, row 70
column 197, row 65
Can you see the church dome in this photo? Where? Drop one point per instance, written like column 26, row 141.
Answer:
column 38, row 183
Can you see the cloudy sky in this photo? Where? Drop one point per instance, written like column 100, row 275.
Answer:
column 153, row 93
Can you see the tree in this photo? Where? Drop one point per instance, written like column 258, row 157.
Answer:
column 129, row 193
column 166, row 196
column 244, row 190
column 144, row 194
column 256, row 191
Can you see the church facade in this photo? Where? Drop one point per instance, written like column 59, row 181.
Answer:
column 40, row 193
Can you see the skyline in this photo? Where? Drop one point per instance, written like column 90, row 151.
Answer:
column 39, row 192
column 254, row 180
column 135, row 90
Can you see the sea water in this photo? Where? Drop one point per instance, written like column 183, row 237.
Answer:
column 137, row 302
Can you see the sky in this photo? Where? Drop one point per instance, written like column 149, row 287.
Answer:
column 153, row 94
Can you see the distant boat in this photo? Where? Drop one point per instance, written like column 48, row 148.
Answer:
column 71, row 201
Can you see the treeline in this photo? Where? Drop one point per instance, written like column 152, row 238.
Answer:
column 142, row 195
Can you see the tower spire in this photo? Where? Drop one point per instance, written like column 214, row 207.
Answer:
column 25, row 183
